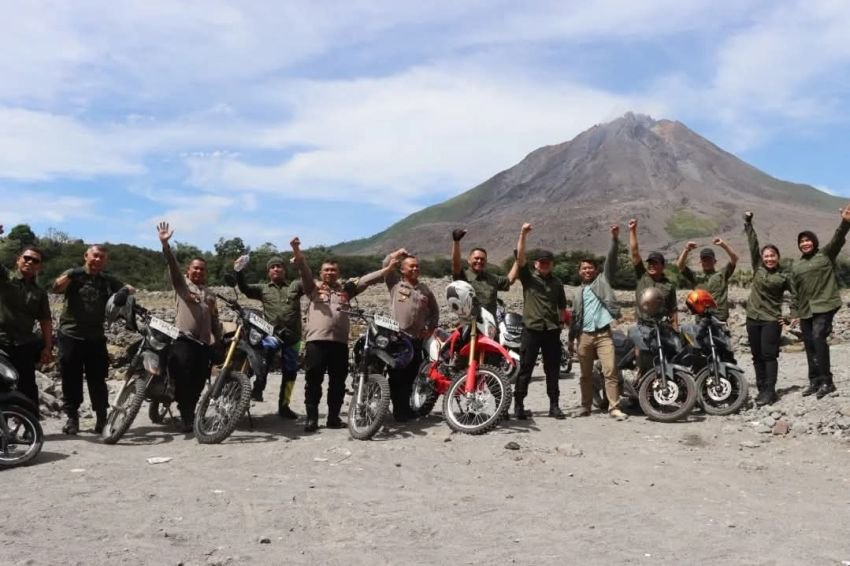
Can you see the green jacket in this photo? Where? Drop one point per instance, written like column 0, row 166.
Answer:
column 813, row 277
column 22, row 303
column 601, row 287
column 767, row 287
column 644, row 281
column 543, row 300
column 281, row 305
column 486, row 286
column 85, row 305
column 715, row 282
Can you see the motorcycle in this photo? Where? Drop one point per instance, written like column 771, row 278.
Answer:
column 147, row 374
column 21, row 436
column 510, row 337
column 382, row 346
column 228, row 396
column 722, row 387
column 666, row 392
column 476, row 395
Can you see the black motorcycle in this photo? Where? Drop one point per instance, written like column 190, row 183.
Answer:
column 722, row 387
column 381, row 346
column 228, row 396
column 147, row 376
column 665, row 388
column 21, row 436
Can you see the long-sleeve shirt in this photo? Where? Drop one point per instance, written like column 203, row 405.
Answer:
column 85, row 305
column 197, row 311
column 814, row 279
column 543, row 299
column 22, row 303
column 281, row 304
column 414, row 306
column 768, row 285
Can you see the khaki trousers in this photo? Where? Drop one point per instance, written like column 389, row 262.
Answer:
column 592, row 346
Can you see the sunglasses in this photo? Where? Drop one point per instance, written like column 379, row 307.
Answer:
column 31, row 259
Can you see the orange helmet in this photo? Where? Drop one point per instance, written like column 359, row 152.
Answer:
column 699, row 301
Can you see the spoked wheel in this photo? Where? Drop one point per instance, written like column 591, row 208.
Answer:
column 566, row 360
column 481, row 409
column 723, row 394
column 216, row 418
column 157, row 411
column 25, row 437
column 124, row 411
column 670, row 403
column 423, row 395
column 366, row 417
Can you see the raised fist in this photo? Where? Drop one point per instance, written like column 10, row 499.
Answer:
column 691, row 246
column 458, row 234
column 526, row 228
column 615, row 230
column 748, row 216
column 633, row 223
column 717, row 241
column 295, row 243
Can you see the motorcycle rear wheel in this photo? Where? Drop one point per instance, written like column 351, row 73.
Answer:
column 722, row 395
column 124, row 411
column 481, row 410
column 366, row 418
column 671, row 404
column 423, row 394
column 227, row 408
column 27, row 437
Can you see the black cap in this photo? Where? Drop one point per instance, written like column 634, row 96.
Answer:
column 275, row 260
column 657, row 257
column 544, row 255
column 707, row 253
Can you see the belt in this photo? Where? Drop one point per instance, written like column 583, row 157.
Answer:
column 602, row 330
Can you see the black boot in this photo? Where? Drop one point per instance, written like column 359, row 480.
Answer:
column 333, row 418
column 100, row 423
column 285, row 412
column 519, row 410
column 826, row 387
column 72, row 425
column 555, row 411
column 814, row 386
column 312, row 424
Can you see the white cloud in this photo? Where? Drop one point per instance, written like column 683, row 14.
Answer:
column 44, row 208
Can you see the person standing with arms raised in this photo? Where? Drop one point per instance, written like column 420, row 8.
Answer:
column 486, row 284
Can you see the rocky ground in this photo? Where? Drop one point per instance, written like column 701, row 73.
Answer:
column 766, row 486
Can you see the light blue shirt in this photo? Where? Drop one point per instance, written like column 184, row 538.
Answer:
column 595, row 315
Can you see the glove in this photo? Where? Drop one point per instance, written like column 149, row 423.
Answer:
column 458, row 234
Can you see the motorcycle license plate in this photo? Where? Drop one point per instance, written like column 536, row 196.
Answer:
column 260, row 323
column 387, row 322
column 165, row 327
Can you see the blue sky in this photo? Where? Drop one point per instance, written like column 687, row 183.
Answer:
column 331, row 120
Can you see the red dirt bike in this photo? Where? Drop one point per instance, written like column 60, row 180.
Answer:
column 476, row 395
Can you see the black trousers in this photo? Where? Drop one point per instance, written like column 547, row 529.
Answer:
column 764, row 346
column 401, row 382
column 24, row 357
column 320, row 357
column 189, row 364
column 76, row 359
column 816, row 330
column 532, row 342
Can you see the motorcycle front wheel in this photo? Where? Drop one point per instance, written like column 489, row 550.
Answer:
column 480, row 410
column 723, row 394
column 670, row 403
column 423, row 394
column 123, row 412
column 216, row 417
column 366, row 417
column 25, row 436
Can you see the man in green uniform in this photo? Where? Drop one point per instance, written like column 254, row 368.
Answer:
column 544, row 301
column 82, row 343
column 22, row 303
column 651, row 275
column 711, row 280
column 486, row 284
column 281, row 307
column 818, row 299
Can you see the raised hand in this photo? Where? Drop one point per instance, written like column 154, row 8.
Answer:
column 615, row 230
column 165, row 232
column 295, row 243
column 633, row 224
column 718, row 241
column 691, row 246
column 845, row 213
column 458, row 234
column 526, row 228
column 748, row 216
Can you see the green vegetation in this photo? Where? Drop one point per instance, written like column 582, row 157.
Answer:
column 684, row 224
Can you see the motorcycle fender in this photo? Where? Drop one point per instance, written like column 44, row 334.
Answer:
column 672, row 368
column 489, row 346
column 256, row 360
column 726, row 367
column 17, row 398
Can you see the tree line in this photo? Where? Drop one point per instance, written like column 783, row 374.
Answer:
column 145, row 268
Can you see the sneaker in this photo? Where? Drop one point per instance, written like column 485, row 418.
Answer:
column 617, row 414
column 72, row 426
column 285, row 412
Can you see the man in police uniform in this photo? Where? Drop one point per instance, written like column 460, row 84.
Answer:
column 486, row 284
column 22, row 303
column 282, row 307
column 415, row 308
column 82, row 343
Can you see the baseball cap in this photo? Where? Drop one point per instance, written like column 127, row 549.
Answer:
column 544, row 255
column 707, row 253
column 656, row 257
column 275, row 260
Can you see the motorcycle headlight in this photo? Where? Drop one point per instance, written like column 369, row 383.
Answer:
column 8, row 374
column 382, row 341
column 151, row 362
column 491, row 332
column 254, row 336
column 158, row 341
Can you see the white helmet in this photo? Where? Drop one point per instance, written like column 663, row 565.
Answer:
column 460, row 296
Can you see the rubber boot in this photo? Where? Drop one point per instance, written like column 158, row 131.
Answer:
column 826, row 387
column 814, row 386
column 312, row 424
column 283, row 409
column 333, row 417
column 519, row 409
column 555, row 411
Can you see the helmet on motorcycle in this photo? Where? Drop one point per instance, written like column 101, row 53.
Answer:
column 699, row 301
column 651, row 302
column 120, row 305
column 461, row 297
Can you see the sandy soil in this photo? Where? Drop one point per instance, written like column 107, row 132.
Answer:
column 591, row 491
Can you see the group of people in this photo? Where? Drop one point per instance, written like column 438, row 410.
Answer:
column 810, row 284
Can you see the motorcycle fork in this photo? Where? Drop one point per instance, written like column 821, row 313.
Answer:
column 472, row 369
column 364, row 366
column 228, row 360
column 662, row 360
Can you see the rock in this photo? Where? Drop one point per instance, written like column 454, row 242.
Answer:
column 781, row 428
column 750, row 444
column 751, row 466
column 569, row 450
column 769, row 421
column 762, row 429
column 264, row 540
column 512, row 445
